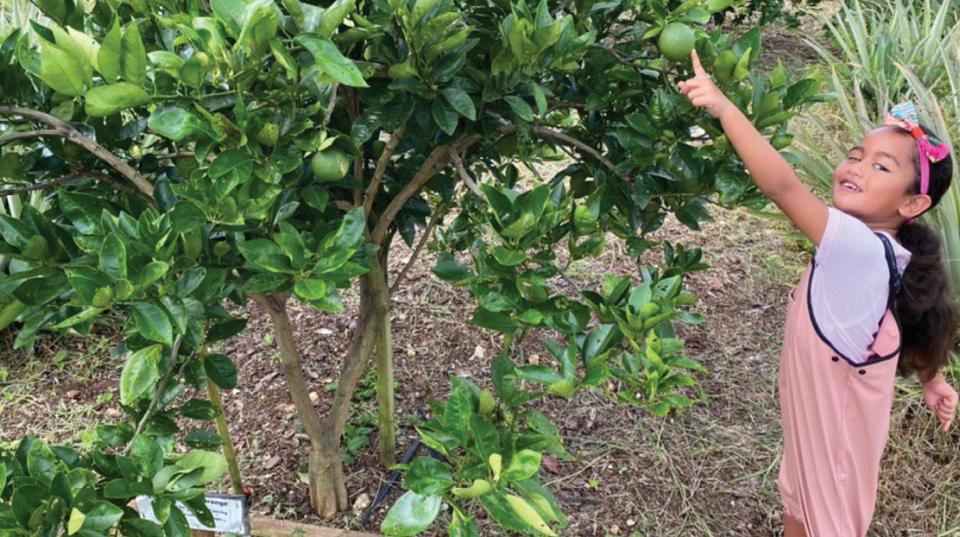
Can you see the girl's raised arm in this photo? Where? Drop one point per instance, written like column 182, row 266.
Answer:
column 772, row 174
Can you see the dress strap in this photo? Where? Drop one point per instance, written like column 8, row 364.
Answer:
column 895, row 281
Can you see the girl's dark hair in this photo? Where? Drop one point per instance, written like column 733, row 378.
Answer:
column 928, row 315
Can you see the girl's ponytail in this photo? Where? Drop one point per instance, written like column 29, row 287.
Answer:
column 928, row 315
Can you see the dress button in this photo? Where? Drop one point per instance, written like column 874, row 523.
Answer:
column 835, row 358
column 863, row 371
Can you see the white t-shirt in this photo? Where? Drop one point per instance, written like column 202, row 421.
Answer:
column 850, row 284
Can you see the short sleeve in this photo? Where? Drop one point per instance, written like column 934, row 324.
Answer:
column 849, row 286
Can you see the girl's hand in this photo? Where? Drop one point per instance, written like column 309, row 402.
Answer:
column 702, row 92
column 941, row 399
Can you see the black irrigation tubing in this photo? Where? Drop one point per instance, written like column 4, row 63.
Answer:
column 394, row 478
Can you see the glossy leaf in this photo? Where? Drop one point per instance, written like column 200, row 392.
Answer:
column 139, row 374
column 411, row 514
column 112, row 98
column 153, row 323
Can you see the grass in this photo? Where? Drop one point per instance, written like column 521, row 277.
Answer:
column 59, row 393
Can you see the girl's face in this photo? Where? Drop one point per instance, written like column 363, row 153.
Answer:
column 875, row 181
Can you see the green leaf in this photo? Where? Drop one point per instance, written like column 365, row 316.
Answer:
column 102, row 517
column 148, row 454
column 113, row 258
column 428, row 476
column 204, row 439
column 25, row 500
column 198, row 409
column 520, row 107
column 221, row 371
column 529, row 515
column 493, row 320
column 108, row 57
column 139, row 373
column 140, row 527
column 333, row 17
column 178, row 125
column 539, row 97
column 352, row 227
column 284, row 58
column 61, row 71
column 742, row 68
column 497, row 507
column 231, row 168
column 259, row 22
column 411, row 514
column 125, row 489
column 112, row 98
column 445, row 118
column 133, row 57
column 329, row 59
column 539, row 373
column 461, row 102
column 39, row 291
column 41, row 463
column 462, row 527
column 310, row 289
column 177, row 525
column 75, row 522
column 58, row 10
column 153, row 323
column 213, row 464
column 523, row 465
column 153, row 271
column 508, row 257
column 448, row 269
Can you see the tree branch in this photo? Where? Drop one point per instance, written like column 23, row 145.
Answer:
column 426, row 172
column 67, row 131
column 465, row 175
column 562, row 137
column 434, row 219
column 616, row 54
column 178, row 154
column 292, row 363
column 381, row 169
column 41, row 186
column 17, row 135
column 331, row 103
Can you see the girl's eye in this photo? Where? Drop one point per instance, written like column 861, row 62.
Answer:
column 853, row 158
column 881, row 167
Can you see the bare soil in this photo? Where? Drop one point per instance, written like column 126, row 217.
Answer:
column 710, row 470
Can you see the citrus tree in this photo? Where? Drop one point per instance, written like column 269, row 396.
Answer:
column 197, row 153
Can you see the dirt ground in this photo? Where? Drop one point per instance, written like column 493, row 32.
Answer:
column 710, row 470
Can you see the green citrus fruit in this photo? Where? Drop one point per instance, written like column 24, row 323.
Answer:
column 268, row 134
column 676, row 41
column 330, row 165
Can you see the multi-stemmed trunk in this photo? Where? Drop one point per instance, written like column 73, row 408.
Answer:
column 328, row 492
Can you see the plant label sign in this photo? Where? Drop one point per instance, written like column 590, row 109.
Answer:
column 229, row 513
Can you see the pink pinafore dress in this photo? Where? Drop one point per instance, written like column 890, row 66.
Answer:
column 836, row 416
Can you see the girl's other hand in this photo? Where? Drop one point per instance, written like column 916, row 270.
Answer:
column 702, row 92
column 941, row 399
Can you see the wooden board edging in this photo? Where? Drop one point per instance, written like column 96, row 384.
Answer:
column 268, row 527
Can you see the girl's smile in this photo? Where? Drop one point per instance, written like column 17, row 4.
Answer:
column 875, row 182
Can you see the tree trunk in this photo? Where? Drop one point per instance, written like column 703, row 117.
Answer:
column 387, row 429
column 229, row 453
column 328, row 493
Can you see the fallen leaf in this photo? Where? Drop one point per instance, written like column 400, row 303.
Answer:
column 550, row 463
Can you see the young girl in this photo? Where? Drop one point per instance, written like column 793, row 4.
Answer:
column 873, row 301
